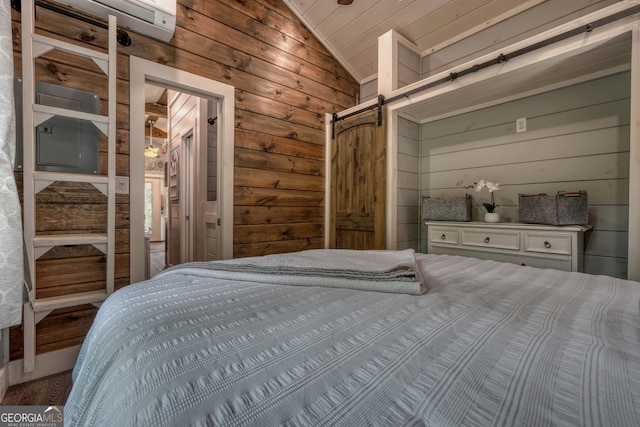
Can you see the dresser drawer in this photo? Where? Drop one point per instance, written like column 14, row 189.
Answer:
column 534, row 245
column 497, row 239
column 557, row 262
column 547, row 243
column 443, row 235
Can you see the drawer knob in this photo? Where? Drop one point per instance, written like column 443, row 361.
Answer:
column 486, row 239
column 547, row 244
column 443, row 237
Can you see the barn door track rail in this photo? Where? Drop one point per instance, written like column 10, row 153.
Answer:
column 503, row 57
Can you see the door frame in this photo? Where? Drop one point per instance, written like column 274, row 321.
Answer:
column 143, row 71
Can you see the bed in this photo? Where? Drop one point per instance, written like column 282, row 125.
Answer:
column 354, row 338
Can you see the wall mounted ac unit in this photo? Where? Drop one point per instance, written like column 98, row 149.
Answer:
column 154, row 18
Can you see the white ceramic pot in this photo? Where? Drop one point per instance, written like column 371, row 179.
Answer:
column 491, row 217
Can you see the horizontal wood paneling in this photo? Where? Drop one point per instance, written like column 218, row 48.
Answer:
column 247, row 177
column 280, row 29
column 246, row 196
column 609, row 266
column 606, row 166
column 253, row 103
column 408, row 183
column 547, row 15
column 602, row 107
column 603, row 192
column 285, row 80
column 408, row 180
column 276, row 162
column 408, row 66
column 234, row 38
column 278, row 232
column 587, row 142
column 277, row 145
column 369, row 90
column 577, row 138
column 62, row 328
column 247, row 215
column 260, row 123
column 281, row 246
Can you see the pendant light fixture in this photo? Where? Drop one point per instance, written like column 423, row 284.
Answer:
column 150, row 150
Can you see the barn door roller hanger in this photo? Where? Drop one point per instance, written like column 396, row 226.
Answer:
column 336, row 119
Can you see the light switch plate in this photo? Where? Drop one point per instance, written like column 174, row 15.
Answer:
column 122, row 185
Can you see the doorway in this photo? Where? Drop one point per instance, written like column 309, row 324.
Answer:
column 143, row 72
column 193, row 177
column 357, row 192
column 154, row 208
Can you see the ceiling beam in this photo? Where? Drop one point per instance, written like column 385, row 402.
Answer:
column 157, row 133
column 155, row 109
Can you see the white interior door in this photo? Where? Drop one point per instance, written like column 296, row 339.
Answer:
column 193, row 134
column 188, row 213
column 212, row 231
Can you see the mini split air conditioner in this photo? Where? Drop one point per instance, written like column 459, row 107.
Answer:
column 154, row 18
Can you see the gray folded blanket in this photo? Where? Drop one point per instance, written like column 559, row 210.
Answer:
column 374, row 270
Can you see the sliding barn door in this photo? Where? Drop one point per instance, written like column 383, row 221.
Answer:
column 358, row 168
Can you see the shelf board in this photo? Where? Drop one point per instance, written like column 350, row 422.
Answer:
column 69, row 239
column 49, row 304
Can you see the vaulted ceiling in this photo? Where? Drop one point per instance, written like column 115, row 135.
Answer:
column 351, row 32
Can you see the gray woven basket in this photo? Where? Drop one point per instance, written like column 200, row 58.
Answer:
column 446, row 208
column 562, row 209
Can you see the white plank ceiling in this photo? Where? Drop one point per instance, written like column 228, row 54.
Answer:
column 351, row 32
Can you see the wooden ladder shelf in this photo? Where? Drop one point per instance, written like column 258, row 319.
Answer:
column 34, row 46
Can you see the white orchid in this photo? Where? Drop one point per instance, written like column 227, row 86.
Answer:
column 491, row 186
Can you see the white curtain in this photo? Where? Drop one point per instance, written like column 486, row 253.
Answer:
column 11, row 254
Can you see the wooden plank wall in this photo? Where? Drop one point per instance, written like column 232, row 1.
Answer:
column 408, row 185
column 369, row 90
column 445, row 55
column 545, row 16
column 408, row 66
column 577, row 138
column 285, row 80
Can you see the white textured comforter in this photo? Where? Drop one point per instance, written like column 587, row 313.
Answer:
column 488, row 344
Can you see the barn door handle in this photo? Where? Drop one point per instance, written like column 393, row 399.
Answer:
column 486, row 239
column 547, row 244
column 443, row 237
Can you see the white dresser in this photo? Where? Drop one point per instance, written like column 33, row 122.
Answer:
column 545, row 246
